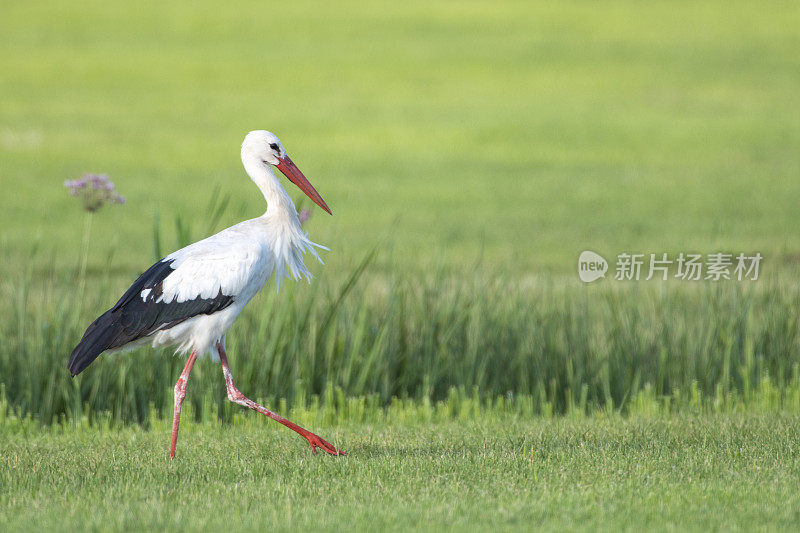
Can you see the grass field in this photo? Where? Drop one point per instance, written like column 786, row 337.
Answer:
column 563, row 347
column 521, row 133
column 688, row 472
column 470, row 151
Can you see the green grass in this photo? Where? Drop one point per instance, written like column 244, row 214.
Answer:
column 377, row 338
column 522, row 132
column 479, row 148
column 686, row 472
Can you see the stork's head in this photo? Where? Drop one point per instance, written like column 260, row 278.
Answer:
column 267, row 147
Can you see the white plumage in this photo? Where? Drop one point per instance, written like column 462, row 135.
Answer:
column 191, row 298
column 237, row 261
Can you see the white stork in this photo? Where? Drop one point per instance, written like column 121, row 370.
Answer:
column 190, row 298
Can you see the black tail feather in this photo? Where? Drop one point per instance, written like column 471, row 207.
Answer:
column 99, row 337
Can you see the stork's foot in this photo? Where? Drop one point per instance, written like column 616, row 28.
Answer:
column 318, row 442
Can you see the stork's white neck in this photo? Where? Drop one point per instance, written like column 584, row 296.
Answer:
column 278, row 200
column 287, row 240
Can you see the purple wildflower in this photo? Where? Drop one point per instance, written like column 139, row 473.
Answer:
column 94, row 191
column 304, row 215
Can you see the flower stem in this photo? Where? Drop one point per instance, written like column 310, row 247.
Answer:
column 87, row 232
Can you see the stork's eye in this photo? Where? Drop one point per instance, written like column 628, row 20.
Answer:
column 274, row 146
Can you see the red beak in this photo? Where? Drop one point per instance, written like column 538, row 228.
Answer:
column 291, row 171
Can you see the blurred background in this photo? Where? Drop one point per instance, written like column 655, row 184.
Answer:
column 477, row 147
column 520, row 133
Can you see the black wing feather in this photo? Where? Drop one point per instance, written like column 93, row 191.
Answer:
column 132, row 317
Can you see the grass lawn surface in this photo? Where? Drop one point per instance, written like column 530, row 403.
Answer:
column 728, row 471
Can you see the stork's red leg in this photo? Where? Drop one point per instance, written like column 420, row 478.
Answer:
column 235, row 396
column 180, row 394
